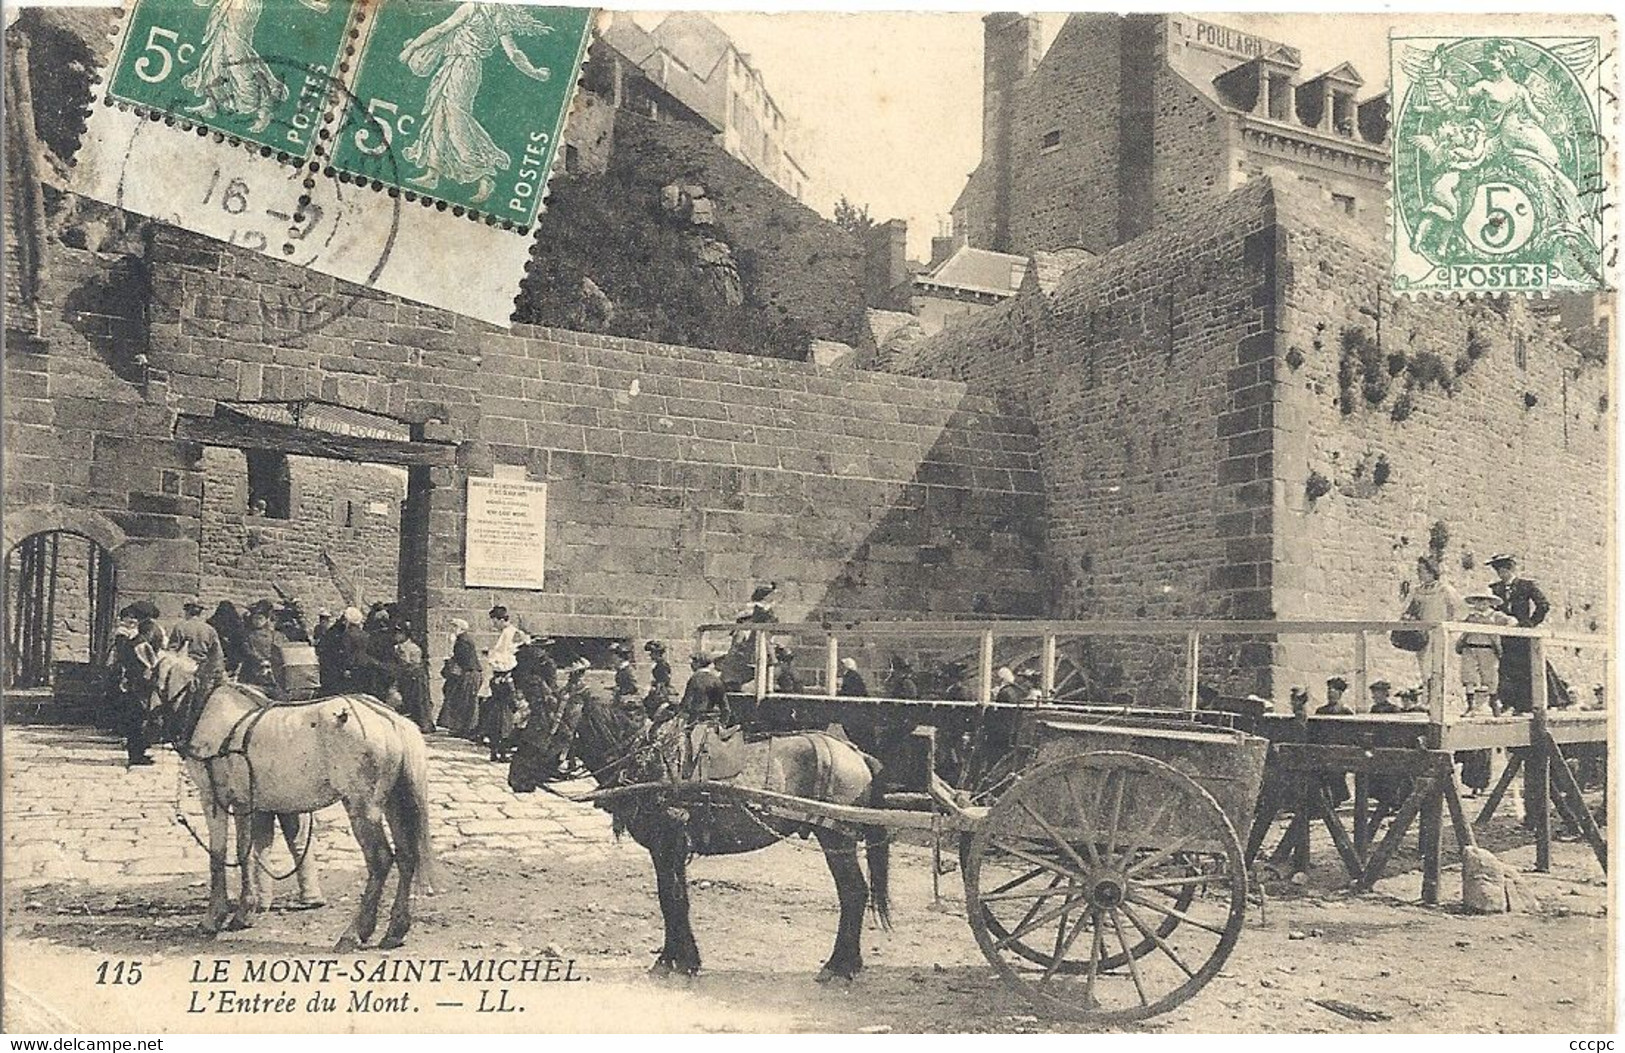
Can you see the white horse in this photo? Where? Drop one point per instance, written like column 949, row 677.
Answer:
column 253, row 759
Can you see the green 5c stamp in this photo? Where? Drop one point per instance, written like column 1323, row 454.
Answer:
column 258, row 70
column 464, row 103
column 1498, row 164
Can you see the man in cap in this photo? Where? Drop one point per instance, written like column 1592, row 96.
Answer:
column 705, row 696
column 1335, row 707
column 1523, row 600
column 1380, row 702
column 953, row 682
column 196, row 639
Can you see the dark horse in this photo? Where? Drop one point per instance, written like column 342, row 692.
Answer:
column 611, row 741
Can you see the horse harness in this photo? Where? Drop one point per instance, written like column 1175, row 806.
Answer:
column 198, row 694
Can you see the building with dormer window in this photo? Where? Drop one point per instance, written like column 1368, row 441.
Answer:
column 1128, row 121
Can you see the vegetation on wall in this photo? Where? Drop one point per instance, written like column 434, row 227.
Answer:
column 1366, row 373
column 612, row 235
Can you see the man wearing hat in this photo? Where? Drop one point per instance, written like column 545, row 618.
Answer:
column 901, row 682
column 196, row 638
column 661, row 690
column 705, row 696
column 1005, row 688
column 1334, row 707
column 786, row 680
column 1380, row 702
column 953, row 682
column 852, row 682
column 136, row 644
column 1523, row 601
column 1481, row 653
column 626, row 678
column 260, row 647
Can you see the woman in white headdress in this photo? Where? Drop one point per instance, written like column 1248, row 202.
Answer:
column 451, row 142
column 231, row 77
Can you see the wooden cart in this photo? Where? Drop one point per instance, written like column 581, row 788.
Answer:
column 1105, row 878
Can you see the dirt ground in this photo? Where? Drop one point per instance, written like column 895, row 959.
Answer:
column 765, row 923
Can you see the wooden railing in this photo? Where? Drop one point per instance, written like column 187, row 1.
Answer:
column 1192, row 631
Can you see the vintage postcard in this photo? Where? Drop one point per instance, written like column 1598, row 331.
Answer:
column 530, row 519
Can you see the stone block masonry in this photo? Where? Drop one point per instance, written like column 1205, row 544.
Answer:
column 678, row 478
column 1186, row 385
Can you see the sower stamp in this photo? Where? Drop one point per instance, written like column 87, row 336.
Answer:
column 1499, row 164
column 205, row 62
column 472, row 97
column 325, row 115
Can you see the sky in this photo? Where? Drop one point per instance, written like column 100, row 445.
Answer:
column 890, row 105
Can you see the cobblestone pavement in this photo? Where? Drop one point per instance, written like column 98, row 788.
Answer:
column 73, row 812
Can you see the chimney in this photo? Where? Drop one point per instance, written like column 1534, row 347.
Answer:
column 885, row 262
column 1010, row 51
column 944, row 246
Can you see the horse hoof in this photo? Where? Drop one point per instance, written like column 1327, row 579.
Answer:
column 310, row 903
column 238, row 923
column 346, row 945
column 826, row 974
column 390, row 942
column 212, row 925
column 662, row 967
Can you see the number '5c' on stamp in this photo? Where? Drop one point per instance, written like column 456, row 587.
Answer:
column 258, row 70
column 463, row 103
column 1498, row 164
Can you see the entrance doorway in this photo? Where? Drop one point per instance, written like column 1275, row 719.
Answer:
column 60, row 590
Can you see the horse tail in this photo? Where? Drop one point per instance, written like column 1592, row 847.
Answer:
column 411, row 791
column 877, row 850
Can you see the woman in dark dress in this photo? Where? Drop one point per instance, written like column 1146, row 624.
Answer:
column 463, row 675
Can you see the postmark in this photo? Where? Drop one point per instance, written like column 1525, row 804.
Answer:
column 212, row 63
column 473, row 96
column 1500, row 154
column 399, row 145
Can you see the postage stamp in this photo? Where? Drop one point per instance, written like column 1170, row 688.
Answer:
column 206, row 62
column 473, row 96
column 1498, row 175
column 398, row 145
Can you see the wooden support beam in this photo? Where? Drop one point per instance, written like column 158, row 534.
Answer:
column 1431, row 834
column 1308, row 807
column 1331, row 760
column 1362, row 813
column 1378, row 862
column 1537, row 768
column 1570, row 787
column 1263, row 818
column 1352, row 862
column 985, row 668
column 1510, row 772
column 832, row 665
column 1361, row 691
column 764, row 672
column 242, row 432
column 1289, row 840
column 1047, row 672
column 1193, row 652
column 1465, row 838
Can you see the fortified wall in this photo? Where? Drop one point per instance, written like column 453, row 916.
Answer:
column 1237, row 421
column 678, row 478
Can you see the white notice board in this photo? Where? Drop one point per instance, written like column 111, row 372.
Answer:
column 506, row 531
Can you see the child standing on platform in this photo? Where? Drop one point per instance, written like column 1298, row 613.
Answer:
column 1481, row 653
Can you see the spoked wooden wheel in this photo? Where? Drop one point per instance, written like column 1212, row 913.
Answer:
column 1106, row 887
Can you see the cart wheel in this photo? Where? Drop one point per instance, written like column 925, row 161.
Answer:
column 1105, row 887
column 1164, row 925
